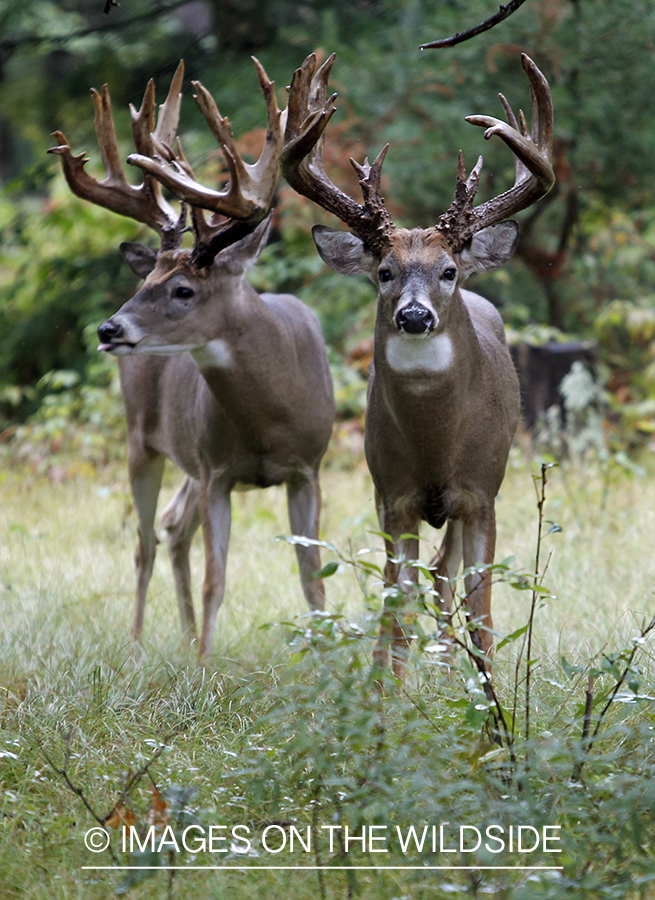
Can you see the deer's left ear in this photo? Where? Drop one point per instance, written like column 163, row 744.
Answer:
column 489, row 248
column 239, row 256
column 140, row 259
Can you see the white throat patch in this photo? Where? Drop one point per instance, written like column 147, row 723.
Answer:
column 214, row 355
column 431, row 354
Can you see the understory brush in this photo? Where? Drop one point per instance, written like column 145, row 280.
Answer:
column 282, row 767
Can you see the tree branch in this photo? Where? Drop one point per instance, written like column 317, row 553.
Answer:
column 503, row 13
column 9, row 45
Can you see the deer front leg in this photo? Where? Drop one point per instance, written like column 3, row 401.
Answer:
column 304, row 502
column 216, row 518
column 400, row 580
column 479, row 548
column 446, row 566
column 181, row 519
column 145, row 481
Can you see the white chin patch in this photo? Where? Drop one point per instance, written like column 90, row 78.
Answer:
column 214, row 355
column 434, row 354
column 117, row 349
column 145, row 349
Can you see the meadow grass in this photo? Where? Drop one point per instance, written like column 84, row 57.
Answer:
column 284, row 725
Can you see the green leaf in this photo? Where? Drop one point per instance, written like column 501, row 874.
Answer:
column 327, row 570
column 521, row 584
column 382, row 534
column 569, row 669
column 371, row 568
column 513, row 636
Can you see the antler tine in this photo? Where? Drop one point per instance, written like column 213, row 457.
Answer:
column 302, row 161
column 144, row 121
column 533, row 154
column 169, row 112
column 143, row 202
column 106, row 135
column 247, row 197
column 308, row 112
column 457, row 219
column 265, row 170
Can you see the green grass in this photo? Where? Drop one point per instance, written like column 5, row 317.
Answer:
column 285, row 726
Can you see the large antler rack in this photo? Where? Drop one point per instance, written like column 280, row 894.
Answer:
column 310, row 110
column 302, row 161
column 144, row 202
column 533, row 158
column 246, row 199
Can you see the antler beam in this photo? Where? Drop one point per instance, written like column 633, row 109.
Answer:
column 302, row 161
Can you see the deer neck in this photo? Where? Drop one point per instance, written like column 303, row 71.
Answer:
column 242, row 355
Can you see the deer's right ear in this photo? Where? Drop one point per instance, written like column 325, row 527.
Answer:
column 139, row 258
column 343, row 252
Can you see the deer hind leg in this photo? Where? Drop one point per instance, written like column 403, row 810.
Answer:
column 446, row 566
column 304, row 502
column 479, row 548
column 180, row 519
column 401, row 576
column 216, row 518
column 145, row 482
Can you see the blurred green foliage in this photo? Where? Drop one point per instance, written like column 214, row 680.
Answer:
column 589, row 246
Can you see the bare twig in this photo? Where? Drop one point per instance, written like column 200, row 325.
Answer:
column 62, row 772
column 589, row 705
column 588, row 741
column 144, row 770
column 503, row 13
column 533, row 603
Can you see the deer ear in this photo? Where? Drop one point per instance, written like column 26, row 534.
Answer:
column 239, row 256
column 139, row 258
column 489, row 248
column 343, row 252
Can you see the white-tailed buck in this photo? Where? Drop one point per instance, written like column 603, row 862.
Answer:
column 443, row 397
column 232, row 386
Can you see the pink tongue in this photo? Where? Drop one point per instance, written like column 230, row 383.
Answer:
column 104, row 347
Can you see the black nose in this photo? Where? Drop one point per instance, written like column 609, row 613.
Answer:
column 109, row 331
column 414, row 319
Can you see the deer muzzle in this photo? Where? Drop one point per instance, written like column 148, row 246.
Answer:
column 112, row 336
column 415, row 319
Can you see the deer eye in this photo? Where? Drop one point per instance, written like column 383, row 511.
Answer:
column 449, row 274
column 183, row 292
column 385, row 275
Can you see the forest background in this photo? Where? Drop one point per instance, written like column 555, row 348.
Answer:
column 585, row 265
column 288, row 727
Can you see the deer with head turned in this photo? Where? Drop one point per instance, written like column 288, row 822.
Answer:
column 443, row 396
column 234, row 387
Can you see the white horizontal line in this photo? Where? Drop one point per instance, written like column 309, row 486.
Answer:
column 324, row 868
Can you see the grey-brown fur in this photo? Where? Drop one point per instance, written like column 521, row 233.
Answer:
column 440, row 422
column 244, row 401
